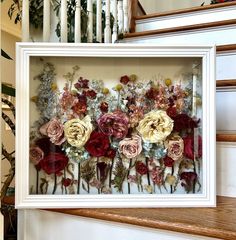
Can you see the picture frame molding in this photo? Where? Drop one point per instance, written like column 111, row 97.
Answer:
column 24, row 199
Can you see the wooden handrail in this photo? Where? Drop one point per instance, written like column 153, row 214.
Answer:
column 187, row 10
column 182, row 28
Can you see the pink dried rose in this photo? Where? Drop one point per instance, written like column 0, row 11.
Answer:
column 157, row 176
column 67, row 99
column 175, row 147
column 36, row 154
column 114, row 124
column 131, row 147
column 54, row 130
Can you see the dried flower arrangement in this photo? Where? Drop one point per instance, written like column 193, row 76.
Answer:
column 138, row 137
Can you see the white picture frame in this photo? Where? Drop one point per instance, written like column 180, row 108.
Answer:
column 24, row 53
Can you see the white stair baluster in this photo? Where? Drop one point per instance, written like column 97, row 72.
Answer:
column 114, row 34
column 46, row 20
column 78, row 22
column 120, row 17
column 99, row 21
column 126, row 18
column 25, row 21
column 90, row 21
column 64, row 21
column 108, row 26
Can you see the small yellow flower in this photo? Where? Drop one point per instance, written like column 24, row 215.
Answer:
column 54, row 86
column 105, row 91
column 34, row 99
column 74, row 92
column 198, row 101
column 168, row 82
column 133, row 77
column 118, row 87
column 148, row 188
column 170, row 179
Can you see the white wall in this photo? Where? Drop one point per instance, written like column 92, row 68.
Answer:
column 155, row 6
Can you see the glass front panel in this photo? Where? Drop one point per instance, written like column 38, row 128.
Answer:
column 115, row 125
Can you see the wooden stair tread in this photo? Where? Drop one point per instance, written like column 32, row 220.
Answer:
column 181, row 28
column 186, row 10
column 226, row 83
column 226, row 48
column 216, row 222
column 226, row 137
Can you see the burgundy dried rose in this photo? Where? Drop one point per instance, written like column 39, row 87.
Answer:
column 183, row 121
column 189, row 147
column 114, row 124
column 36, row 155
column 54, row 130
column 171, row 112
column 98, row 144
column 66, row 182
column 131, row 147
column 54, row 163
column 141, row 168
column 124, row 79
column 104, row 107
column 91, row 94
column 82, row 83
column 111, row 153
column 47, row 146
column 187, row 179
column 168, row 162
column 152, row 93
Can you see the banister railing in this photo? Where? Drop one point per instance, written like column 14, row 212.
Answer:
column 117, row 20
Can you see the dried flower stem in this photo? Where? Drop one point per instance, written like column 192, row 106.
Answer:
column 128, row 172
column 148, row 175
column 172, row 173
column 55, row 184
column 78, row 187
column 37, row 181
column 65, row 178
column 110, row 174
column 97, row 172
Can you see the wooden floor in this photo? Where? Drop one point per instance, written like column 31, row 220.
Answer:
column 217, row 222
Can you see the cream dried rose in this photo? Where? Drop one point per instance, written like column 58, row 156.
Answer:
column 131, row 147
column 156, row 126
column 77, row 132
column 175, row 147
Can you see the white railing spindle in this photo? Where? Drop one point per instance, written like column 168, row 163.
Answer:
column 46, row 20
column 107, row 38
column 126, row 18
column 99, row 21
column 120, row 17
column 78, row 22
column 25, row 21
column 90, row 20
column 114, row 34
column 63, row 20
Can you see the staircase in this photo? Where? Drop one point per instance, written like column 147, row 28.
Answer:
column 214, row 24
